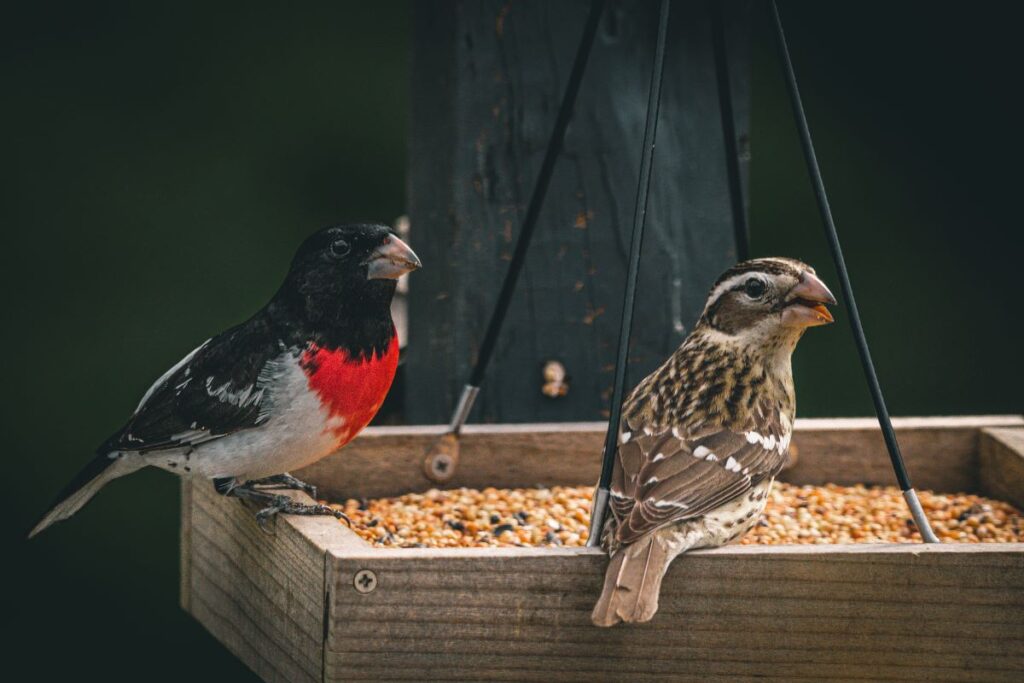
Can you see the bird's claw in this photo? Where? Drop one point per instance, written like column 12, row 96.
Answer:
column 263, row 515
column 285, row 481
column 284, row 504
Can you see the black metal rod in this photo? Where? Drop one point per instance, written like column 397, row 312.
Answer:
column 732, row 161
column 540, row 190
column 636, row 242
column 837, row 255
column 884, row 421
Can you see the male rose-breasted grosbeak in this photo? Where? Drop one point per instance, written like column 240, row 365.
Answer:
column 294, row 383
column 703, row 436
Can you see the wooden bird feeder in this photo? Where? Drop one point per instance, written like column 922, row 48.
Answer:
column 314, row 602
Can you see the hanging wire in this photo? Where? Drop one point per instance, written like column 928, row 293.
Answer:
column 636, row 242
column 442, row 457
column 725, row 109
column 884, row 421
column 540, row 190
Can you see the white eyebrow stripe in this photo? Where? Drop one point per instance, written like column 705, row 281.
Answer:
column 727, row 286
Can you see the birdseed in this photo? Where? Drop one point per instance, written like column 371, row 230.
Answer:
column 560, row 516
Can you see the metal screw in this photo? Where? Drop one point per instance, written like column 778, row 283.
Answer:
column 365, row 581
column 440, row 465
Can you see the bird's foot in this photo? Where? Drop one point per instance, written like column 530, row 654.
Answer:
column 288, row 506
column 285, row 481
column 274, row 503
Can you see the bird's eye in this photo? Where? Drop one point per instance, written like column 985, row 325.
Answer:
column 754, row 288
column 340, row 248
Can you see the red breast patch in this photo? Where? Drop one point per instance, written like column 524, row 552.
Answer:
column 352, row 389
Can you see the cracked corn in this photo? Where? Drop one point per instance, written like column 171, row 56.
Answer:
column 560, row 515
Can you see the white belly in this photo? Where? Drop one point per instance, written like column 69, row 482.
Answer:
column 298, row 432
column 721, row 526
column 729, row 522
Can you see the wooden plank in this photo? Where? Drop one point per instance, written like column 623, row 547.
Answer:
column 856, row 612
column 1001, row 461
column 185, row 559
column 487, row 81
column 260, row 594
column 941, row 454
column 787, row 612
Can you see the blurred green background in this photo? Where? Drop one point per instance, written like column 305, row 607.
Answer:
column 161, row 162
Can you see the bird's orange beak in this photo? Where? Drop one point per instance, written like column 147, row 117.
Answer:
column 391, row 260
column 806, row 302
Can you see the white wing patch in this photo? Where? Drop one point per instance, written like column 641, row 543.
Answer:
column 667, row 504
column 242, row 398
column 167, row 375
column 770, row 443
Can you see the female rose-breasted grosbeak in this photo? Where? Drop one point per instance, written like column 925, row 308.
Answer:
column 292, row 384
column 703, row 436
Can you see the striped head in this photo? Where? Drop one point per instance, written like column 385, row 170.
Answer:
column 765, row 300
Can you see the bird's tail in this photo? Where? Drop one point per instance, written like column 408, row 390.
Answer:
column 94, row 476
column 632, row 583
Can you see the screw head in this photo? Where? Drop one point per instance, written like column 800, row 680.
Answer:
column 365, row 581
column 442, row 458
column 441, row 465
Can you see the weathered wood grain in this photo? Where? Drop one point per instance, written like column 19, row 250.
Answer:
column 261, row 595
column 185, row 539
column 941, row 454
column 487, row 81
column 286, row 605
column 1001, row 463
column 946, row 613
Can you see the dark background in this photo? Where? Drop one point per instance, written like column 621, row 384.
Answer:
column 162, row 161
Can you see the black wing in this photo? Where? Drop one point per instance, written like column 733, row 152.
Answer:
column 216, row 390
column 664, row 477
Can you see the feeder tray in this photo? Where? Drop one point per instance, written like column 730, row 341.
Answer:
column 314, row 602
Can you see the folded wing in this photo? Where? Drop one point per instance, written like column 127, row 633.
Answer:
column 212, row 392
column 664, row 476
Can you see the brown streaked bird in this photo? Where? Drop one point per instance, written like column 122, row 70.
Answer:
column 703, row 437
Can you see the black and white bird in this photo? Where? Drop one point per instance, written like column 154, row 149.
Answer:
column 703, row 437
column 292, row 384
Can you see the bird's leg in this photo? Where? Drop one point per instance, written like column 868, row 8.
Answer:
column 273, row 503
column 284, row 481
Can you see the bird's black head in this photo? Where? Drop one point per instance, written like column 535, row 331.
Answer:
column 346, row 272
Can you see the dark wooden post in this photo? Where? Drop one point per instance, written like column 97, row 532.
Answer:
column 487, row 80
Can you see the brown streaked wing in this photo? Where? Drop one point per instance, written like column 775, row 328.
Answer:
column 681, row 486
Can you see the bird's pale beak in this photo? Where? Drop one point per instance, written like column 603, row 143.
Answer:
column 391, row 260
column 805, row 305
